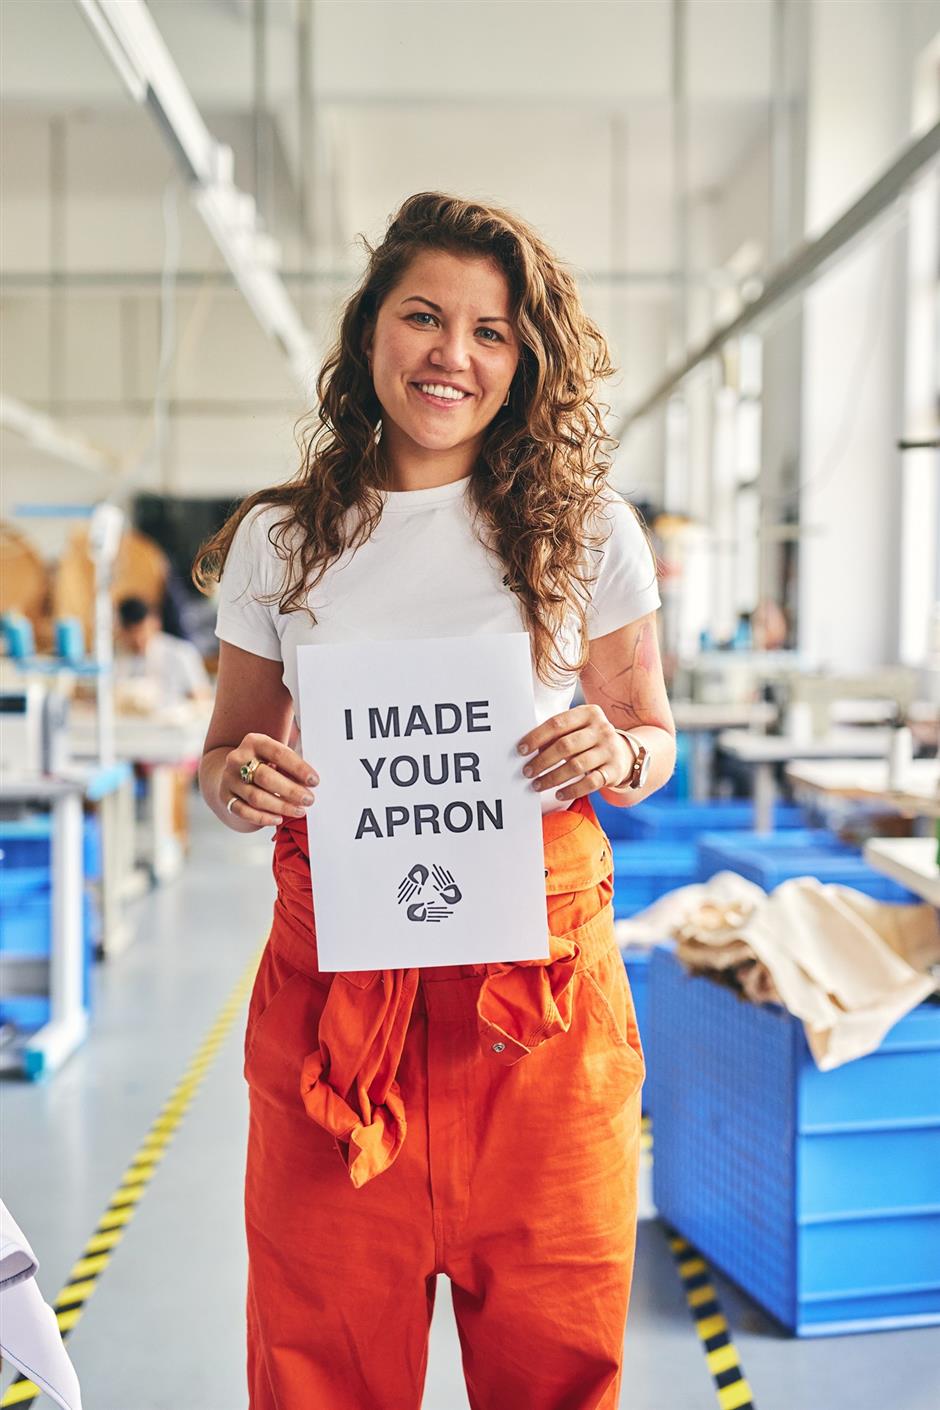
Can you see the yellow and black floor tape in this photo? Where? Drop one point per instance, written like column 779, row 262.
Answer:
column 733, row 1390
column 97, row 1253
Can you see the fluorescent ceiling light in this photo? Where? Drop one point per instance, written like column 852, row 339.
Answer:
column 131, row 76
column 129, row 35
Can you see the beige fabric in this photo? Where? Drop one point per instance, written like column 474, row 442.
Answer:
column 845, row 964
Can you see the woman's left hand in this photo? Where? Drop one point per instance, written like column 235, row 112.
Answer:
column 579, row 744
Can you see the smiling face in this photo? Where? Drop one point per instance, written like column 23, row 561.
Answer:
column 442, row 353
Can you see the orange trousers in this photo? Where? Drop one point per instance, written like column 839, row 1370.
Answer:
column 481, row 1121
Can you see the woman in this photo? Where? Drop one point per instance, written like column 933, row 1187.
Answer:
column 476, row 1120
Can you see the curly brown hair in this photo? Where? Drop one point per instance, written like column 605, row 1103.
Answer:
column 544, row 462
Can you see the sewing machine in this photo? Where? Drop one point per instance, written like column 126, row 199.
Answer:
column 733, row 677
column 33, row 736
column 813, row 703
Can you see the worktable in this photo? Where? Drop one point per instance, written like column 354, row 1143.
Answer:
column 866, row 781
column 161, row 744
column 702, row 720
column 909, row 860
column 762, row 751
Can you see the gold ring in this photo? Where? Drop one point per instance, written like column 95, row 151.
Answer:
column 603, row 774
column 248, row 770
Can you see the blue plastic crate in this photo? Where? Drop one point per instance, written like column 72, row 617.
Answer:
column 679, row 785
column 27, row 1012
column 667, row 821
column 17, row 882
column 27, row 843
column 26, row 930
column 637, row 964
column 717, row 851
column 618, row 823
column 768, row 867
column 817, row 1192
column 26, row 913
column 644, row 871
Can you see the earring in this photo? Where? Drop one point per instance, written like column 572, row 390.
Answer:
column 506, row 402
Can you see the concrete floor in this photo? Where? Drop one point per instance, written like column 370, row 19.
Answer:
column 164, row 1326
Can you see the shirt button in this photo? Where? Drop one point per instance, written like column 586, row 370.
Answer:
column 498, row 1047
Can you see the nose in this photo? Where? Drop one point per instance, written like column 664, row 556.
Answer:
column 451, row 349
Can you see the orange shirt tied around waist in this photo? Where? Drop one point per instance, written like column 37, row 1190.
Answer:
column 348, row 1082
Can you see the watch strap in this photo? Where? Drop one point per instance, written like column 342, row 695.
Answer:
column 626, row 784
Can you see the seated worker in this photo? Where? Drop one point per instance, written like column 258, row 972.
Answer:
column 171, row 667
column 154, row 671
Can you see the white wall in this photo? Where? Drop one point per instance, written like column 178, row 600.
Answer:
column 853, row 347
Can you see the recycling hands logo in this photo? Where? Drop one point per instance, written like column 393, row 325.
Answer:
column 420, row 906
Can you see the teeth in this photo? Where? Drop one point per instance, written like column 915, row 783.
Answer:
column 435, row 389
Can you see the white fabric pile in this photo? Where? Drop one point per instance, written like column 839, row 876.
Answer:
column 848, row 966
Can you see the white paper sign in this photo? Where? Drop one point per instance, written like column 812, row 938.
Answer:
column 425, row 836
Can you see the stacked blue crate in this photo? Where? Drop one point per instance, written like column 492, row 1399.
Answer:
column 678, row 786
column 817, row 1192
column 26, row 908
column 647, row 869
column 661, row 819
column 717, row 851
column 666, row 829
column 709, row 860
column 668, row 821
column 770, row 859
column 644, row 871
column 27, row 842
column 618, row 823
column 637, row 964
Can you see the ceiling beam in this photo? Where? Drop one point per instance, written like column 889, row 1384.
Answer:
column 805, row 265
column 129, row 36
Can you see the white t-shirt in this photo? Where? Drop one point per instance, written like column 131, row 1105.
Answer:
column 173, row 665
column 423, row 573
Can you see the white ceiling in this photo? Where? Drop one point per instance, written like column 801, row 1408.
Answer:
column 594, row 51
column 561, row 109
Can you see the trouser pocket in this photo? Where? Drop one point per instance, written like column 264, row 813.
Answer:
column 612, row 1039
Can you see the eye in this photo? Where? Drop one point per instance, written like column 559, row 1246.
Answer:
column 421, row 313
column 498, row 336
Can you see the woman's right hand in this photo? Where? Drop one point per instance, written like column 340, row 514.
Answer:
column 282, row 784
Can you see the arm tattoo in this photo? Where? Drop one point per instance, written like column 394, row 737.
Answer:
column 627, row 682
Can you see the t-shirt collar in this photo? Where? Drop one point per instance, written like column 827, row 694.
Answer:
column 406, row 501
